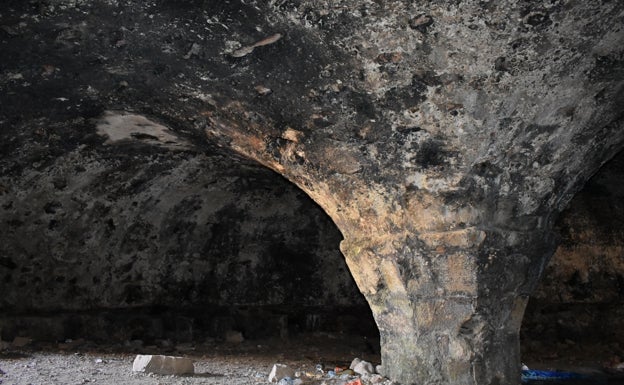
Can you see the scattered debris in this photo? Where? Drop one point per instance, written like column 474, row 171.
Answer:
column 360, row 373
column 290, row 381
column 262, row 90
column 167, row 365
column 344, row 372
column 547, row 375
column 243, row 51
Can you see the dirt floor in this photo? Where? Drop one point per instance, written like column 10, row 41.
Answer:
column 570, row 356
column 248, row 362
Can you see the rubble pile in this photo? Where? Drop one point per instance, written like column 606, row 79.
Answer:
column 360, row 372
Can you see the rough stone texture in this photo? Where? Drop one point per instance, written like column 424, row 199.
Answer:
column 184, row 226
column 185, row 231
column 581, row 295
column 442, row 138
column 362, row 367
column 165, row 365
column 279, row 371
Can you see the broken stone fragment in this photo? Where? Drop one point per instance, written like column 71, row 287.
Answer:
column 280, row 371
column 362, row 367
column 166, row 365
column 262, row 90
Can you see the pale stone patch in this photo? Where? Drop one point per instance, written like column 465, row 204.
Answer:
column 280, row 371
column 469, row 237
column 122, row 126
column 166, row 365
column 362, row 367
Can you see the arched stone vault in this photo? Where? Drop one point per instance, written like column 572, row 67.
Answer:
column 441, row 137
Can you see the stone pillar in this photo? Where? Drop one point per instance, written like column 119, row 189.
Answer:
column 449, row 304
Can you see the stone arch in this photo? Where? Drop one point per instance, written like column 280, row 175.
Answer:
column 576, row 301
column 441, row 139
column 151, row 235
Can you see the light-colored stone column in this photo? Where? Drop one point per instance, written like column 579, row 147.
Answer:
column 448, row 304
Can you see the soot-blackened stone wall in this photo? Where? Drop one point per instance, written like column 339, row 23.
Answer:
column 442, row 138
column 579, row 300
column 182, row 244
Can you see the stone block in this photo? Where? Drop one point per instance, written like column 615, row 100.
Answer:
column 362, row 367
column 166, row 365
column 355, row 361
column 280, row 371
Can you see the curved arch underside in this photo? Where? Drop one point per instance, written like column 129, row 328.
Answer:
column 441, row 138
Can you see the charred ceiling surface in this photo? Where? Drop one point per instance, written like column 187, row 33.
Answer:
column 442, row 138
column 149, row 239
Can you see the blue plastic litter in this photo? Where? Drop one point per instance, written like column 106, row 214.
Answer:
column 286, row 381
column 546, row 375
